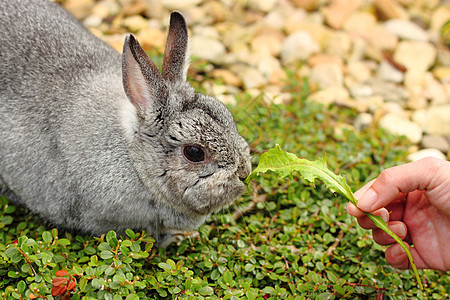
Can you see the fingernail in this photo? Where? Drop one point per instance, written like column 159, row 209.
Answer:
column 400, row 229
column 397, row 250
column 385, row 216
column 367, row 199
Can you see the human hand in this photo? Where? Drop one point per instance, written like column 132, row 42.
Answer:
column 414, row 199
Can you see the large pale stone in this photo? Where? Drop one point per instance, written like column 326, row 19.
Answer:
column 327, row 74
column 207, row 48
column 298, row 46
column 429, row 152
column 339, row 10
column 329, row 95
column 180, row 5
column 399, row 126
column 435, row 141
column 387, row 72
column 415, row 55
column 434, row 120
column 405, row 29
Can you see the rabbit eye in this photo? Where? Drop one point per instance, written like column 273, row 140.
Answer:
column 194, row 153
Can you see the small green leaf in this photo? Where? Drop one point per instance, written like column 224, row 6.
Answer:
column 130, row 234
column 106, row 254
column 21, row 286
column 64, row 242
column 10, row 252
column 227, row 277
column 206, row 291
column 47, row 237
column 165, row 266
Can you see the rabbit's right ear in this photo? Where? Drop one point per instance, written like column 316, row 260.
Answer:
column 142, row 81
column 176, row 56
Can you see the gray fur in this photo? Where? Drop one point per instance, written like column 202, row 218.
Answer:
column 92, row 150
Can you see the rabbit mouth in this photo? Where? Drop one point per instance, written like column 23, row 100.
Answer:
column 209, row 196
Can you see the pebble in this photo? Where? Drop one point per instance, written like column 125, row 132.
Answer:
column 382, row 39
column 387, row 72
column 297, row 47
column 306, row 4
column 251, row 77
column 326, row 74
column 439, row 17
column 435, row 92
column 399, row 126
column 434, row 120
column 388, row 91
column 262, row 5
column 406, row 29
column 267, row 41
column 363, row 121
column 328, row 95
column 426, row 153
column 435, row 141
column 180, row 5
column 360, row 23
column 339, row 10
column 339, row 44
column 135, row 23
column 151, row 38
column 79, row 8
column 390, row 9
column 227, row 76
column 207, row 48
column 395, row 108
column 442, row 73
column 408, row 52
column 359, row 70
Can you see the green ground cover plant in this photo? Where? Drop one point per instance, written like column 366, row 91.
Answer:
column 283, row 239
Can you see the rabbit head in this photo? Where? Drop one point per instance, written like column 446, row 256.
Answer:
column 184, row 145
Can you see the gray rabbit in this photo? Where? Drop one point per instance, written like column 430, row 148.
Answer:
column 93, row 141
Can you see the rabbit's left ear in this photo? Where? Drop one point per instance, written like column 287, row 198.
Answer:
column 176, row 58
column 142, row 81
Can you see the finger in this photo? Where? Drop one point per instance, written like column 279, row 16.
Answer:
column 362, row 190
column 382, row 238
column 351, row 208
column 405, row 178
column 366, row 223
column 397, row 257
column 396, row 209
column 354, row 211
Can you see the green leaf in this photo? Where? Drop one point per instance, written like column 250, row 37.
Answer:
column 21, row 286
column 64, row 242
column 206, row 291
column 130, row 234
column 227, row 277
column 10, row 252
column 106, row 254
column 283, row 164
column 47, row 237
column 165, row 266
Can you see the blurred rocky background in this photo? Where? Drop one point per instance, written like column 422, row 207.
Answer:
column 388, row 59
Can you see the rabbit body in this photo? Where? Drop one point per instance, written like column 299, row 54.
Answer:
column 94, row 141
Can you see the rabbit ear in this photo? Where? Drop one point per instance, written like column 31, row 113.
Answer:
column 176, row 58
column 142, row 81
